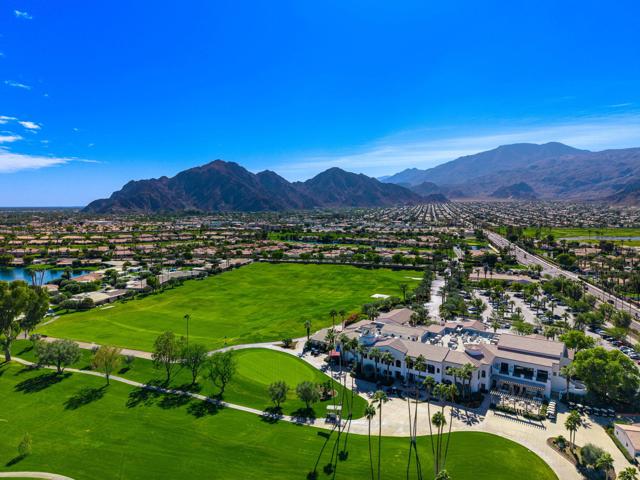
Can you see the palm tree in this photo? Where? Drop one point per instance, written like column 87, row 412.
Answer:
column 375, row 354
column 451, row 392
column 572, row 423
column 403, row 289
column 443, row 475
column 628, row 473
column 307, row 326
column 388, row 360
column 429, row 385
column 439, row 421
column 605, row 463
column 342, row 314
column 370, row 412
column 333, row 314
column 568, row 372
column 380, row 398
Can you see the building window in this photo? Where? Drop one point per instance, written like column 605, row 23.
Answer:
column 484, row 374
column 398, row 363
column 431, row 368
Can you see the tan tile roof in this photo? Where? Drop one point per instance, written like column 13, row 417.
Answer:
column 531, row 344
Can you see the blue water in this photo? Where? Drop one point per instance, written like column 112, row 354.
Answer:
column 19, row 273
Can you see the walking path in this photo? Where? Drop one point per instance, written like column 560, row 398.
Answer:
column 532, row 435
column 45, row 475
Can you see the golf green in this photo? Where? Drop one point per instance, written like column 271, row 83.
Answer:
column 257, row 303
column 84, row 430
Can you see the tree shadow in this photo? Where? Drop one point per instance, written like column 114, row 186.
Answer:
column 84, row 396
column 26, row 349
column 15, row 460
column 189, row 387
column 39, row 383
column 303, row 414
column 173, row 400
column 203, row 408
column 123, row 370
column 271, row 415
column 142, row 396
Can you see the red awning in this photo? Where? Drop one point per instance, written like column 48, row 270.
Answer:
column 334, row 354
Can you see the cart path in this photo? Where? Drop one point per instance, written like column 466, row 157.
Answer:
column 45, row 475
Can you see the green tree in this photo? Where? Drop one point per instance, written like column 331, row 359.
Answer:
column 106, row 359
column 222, row 368
column 278, row 392
column 166, row 353
column 14, row 300
column 590, row 454
column 37, row 306
column 60, row 353
column 609, row 374
column 194, row 356
column 308, row 393
column 577, row 340
column 307, row 327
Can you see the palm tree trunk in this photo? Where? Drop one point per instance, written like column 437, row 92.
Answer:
column 446, row 450
column 410, row 437
column 379, row 439
column 370, row 452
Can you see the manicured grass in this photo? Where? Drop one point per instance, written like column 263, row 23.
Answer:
column 257, row 303
column 256, row 369
column 559, row 233
column 85, row 431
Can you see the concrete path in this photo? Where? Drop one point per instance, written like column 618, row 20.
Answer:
column 48, row 476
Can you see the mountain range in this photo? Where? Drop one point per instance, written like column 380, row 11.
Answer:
column 227, row 186
column 552, row 171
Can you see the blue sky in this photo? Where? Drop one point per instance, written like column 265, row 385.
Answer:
column 93, row 94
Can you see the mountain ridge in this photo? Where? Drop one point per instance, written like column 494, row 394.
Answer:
column 227, row 186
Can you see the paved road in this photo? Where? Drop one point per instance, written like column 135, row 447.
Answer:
column 548, row 268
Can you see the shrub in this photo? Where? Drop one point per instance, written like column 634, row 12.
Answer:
column 25, row 446
column 590, row 453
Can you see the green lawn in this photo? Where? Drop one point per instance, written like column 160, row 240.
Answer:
column 256, row 369
column 257, row 303
column 559, row 233
column 86, row 431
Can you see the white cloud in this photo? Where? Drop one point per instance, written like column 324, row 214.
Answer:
column 11, row 83
column 24, row 15
column 9, row 138
column 428, row 147
column 4, row 119
column 12, row 162
column 29, row 125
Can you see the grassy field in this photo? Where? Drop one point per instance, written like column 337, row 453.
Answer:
column 86, row 431
column 559, row 233
column 257, row 303
column 256, row 369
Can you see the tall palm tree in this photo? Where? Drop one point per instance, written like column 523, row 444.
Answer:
column 342, row 314
column 439, row 421
column 380, row 398
column 388, row 360
column 369, row 413
column 451, row 392
column 333, row 314
column 307, row 326
column 568, row 372
column 572, row 423
column 375, row 354
column 429, row 386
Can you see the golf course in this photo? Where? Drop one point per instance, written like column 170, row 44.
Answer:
column 256, row 368
column 121, row 431
column 257, row 303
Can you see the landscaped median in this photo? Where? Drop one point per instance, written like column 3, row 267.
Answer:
column 86, row 430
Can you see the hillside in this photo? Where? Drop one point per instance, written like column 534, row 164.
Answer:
column 227, row 186
column 551, row 170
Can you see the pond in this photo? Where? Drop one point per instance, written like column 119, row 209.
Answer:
column 20, row 273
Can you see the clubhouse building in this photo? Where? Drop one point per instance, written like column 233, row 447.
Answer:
column 520, row 365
